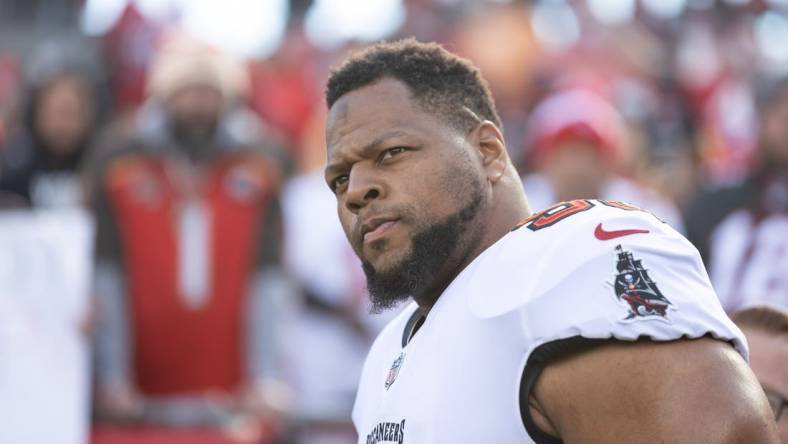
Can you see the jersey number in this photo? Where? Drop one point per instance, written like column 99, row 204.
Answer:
column 561, row 211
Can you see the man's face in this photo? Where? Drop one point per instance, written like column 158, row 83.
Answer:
column 577, row 170
column 194, row 112
column 64, row 115
column 408, row 191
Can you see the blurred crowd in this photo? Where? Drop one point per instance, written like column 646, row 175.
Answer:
column 226, row 305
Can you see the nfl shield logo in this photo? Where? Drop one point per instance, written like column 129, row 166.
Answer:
column 394, row 370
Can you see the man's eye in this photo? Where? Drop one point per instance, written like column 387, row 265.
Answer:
column 338, row 182
column 391, row 152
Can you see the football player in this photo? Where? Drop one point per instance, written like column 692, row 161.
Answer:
column 591, row 321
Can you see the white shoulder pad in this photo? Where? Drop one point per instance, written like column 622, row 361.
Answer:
column 598, row 272
column 549, row 246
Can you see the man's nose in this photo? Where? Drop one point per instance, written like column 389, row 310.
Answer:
column 363, row 187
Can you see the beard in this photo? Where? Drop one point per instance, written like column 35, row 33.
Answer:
column 431, row 250
column 193, row 134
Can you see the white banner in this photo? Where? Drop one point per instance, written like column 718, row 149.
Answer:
column 45, row 279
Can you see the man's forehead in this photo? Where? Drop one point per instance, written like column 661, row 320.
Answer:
column 377, row 106
column 338, row 113
column 381, row 95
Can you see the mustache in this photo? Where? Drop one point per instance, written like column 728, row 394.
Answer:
column 403, row 213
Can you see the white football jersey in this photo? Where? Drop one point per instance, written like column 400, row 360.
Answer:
column 582, row 270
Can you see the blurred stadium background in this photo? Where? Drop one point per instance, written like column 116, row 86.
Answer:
column 171, row 267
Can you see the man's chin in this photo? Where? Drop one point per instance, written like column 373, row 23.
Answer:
column 387, row 282
column 386, row 259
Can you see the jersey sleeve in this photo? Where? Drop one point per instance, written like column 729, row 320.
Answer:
column 602, row 274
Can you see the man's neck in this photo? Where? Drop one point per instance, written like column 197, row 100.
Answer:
column 508, row 207
column 428, row 298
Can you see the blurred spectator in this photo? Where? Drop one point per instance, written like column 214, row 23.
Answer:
column 128, row 49
column 9, row 86
column 661, row 122
column 62, row 111
column 334, row 332
column 192, row 299
column 284, row 87
column 742, row 231
column 715, row 62
column 330, row 339
column 45, row 276
column 501, row 43
column 576, row 139
column 46, row 125
column 766, row 330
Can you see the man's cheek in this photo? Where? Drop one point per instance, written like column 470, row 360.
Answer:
column 348, row 222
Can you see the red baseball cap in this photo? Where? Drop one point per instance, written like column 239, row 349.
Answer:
column 575, row 115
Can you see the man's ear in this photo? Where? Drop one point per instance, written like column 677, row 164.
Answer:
column 488, row 140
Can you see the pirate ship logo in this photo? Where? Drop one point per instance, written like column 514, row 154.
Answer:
column 634, row 288
column 394, row 370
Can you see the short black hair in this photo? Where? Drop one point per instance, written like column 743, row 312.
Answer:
column 441, row 82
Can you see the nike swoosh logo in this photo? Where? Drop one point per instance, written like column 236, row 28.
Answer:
column 604, row 235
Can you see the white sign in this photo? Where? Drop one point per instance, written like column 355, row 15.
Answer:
column 45, row 278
